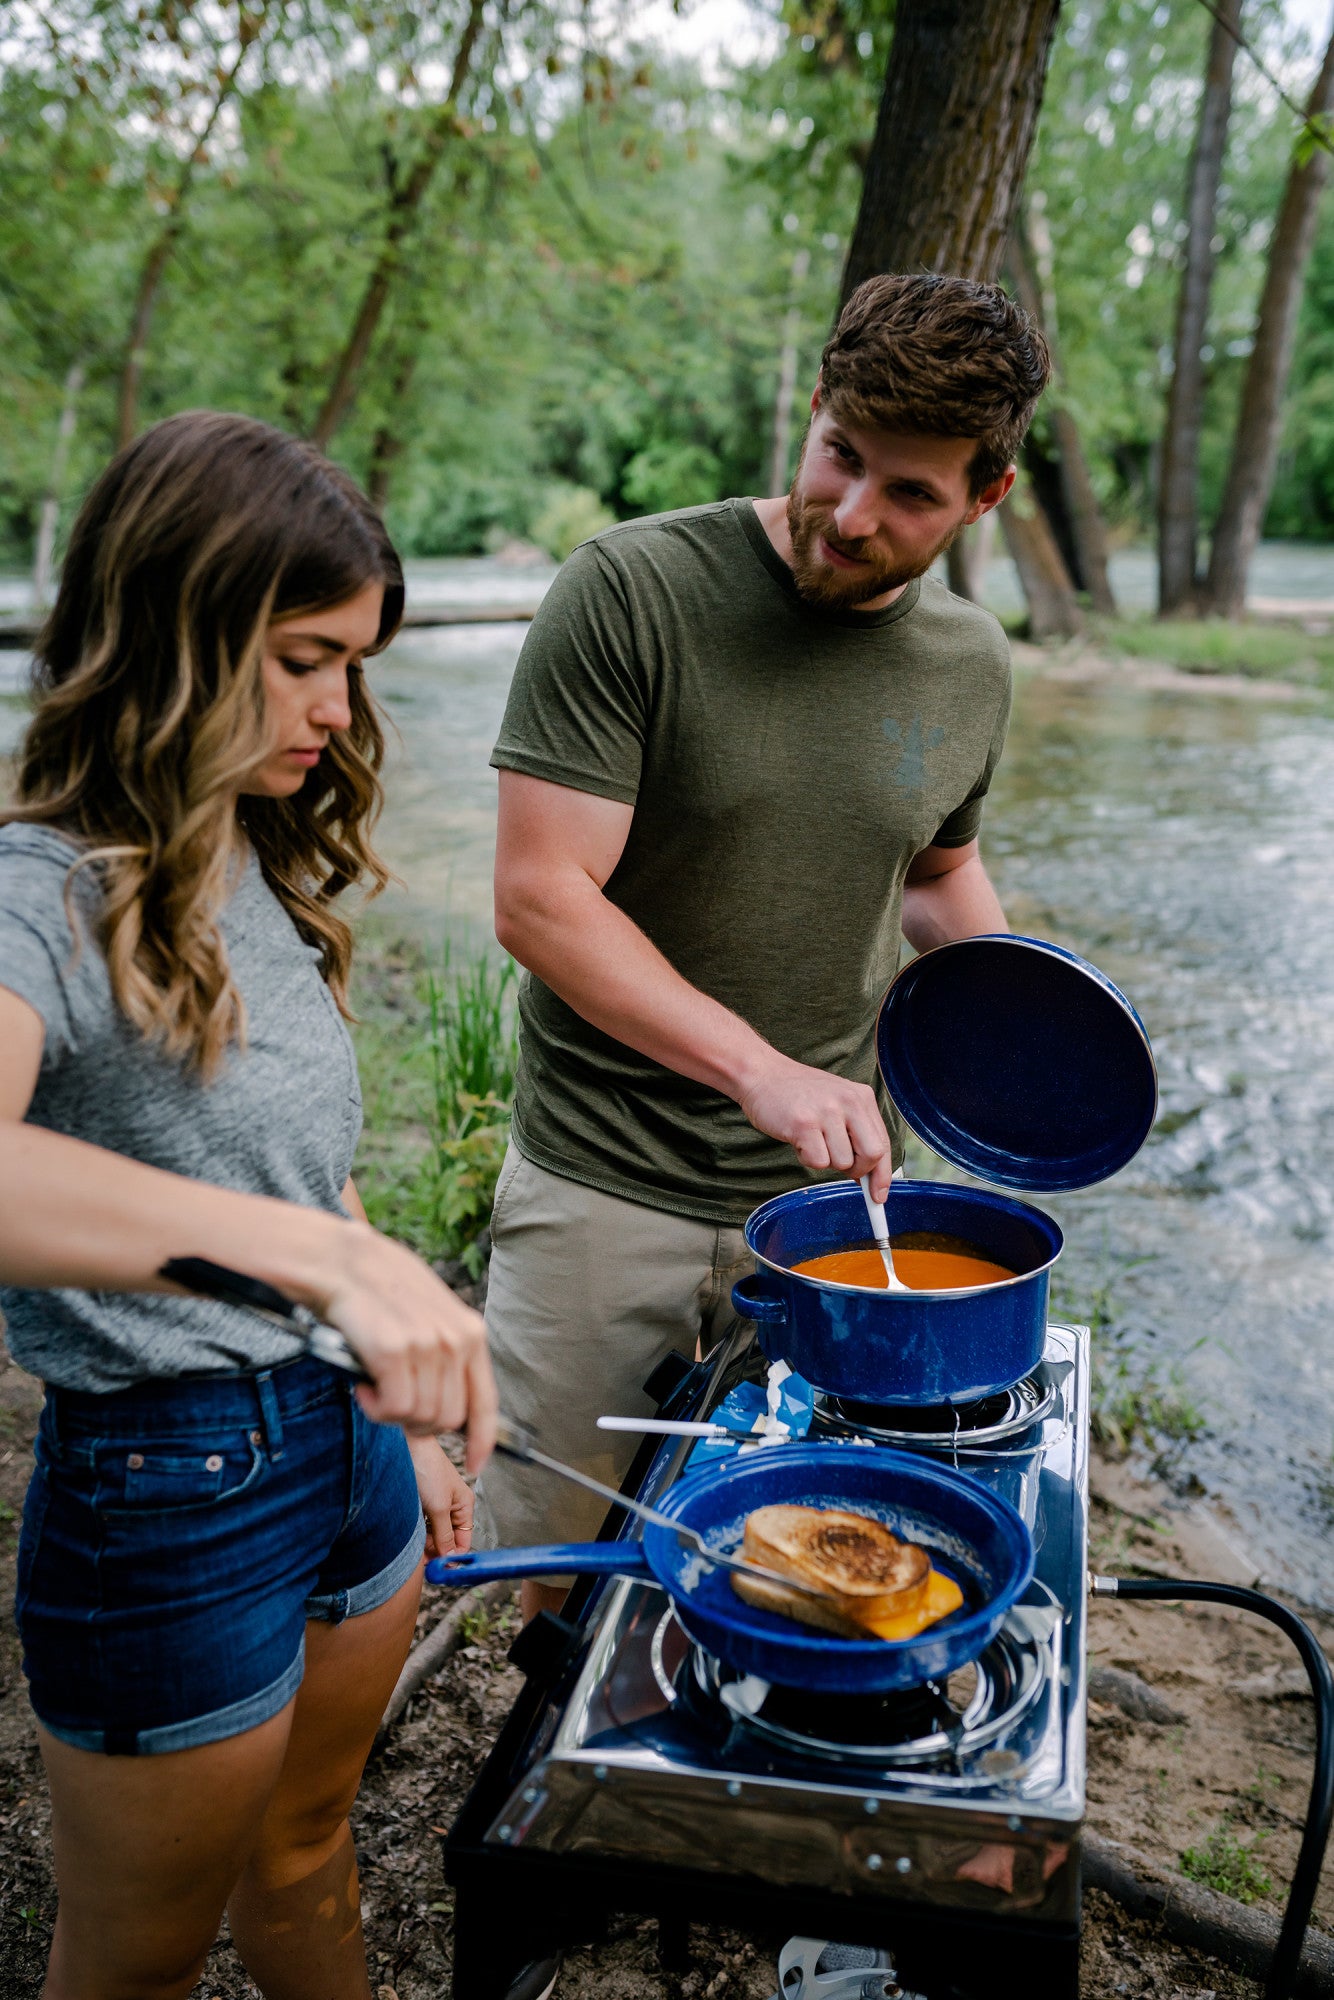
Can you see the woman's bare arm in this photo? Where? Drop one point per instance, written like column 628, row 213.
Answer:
column 77, row 1215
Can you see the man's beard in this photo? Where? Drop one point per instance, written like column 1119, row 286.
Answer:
column 833, row 589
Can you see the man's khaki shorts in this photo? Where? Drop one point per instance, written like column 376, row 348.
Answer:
column 588, row 1293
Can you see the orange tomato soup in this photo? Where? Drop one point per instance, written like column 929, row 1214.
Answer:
column 933, row 1264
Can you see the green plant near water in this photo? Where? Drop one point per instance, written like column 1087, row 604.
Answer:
column 474, row 1052
column 439, row 1084
column 1259, row 650
column 1227, row 1864
column 1134, row 1400
column 473, row 1041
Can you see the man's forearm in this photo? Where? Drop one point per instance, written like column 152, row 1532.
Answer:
column 604, row 967
column 960, row 903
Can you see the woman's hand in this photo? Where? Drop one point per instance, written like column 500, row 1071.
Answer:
column 424, row 1347
column 446, row 1499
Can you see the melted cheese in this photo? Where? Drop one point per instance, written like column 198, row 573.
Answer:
column 940, row 1596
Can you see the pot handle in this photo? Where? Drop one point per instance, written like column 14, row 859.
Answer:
column 546, row 1559
column 759, row 1298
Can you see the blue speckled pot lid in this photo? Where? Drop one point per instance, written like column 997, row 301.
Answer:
column 1018, row 1062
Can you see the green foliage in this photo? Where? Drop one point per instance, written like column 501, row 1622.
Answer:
column 567, row 516
column 474, row 1625
column 437, row 1056
column 666, row 475
column 1303, row 497
column 455, row 1189
column 473, row 1038
column 1216, row 646
column 1228, row 1865
column 585, row 318
column 1136, row 1400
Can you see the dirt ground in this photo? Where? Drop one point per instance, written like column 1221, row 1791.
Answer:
column 1234, row 1763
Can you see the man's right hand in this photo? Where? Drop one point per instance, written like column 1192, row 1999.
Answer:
column 827, row 1121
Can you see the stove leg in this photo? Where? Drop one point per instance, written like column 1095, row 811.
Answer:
column 674, row 1944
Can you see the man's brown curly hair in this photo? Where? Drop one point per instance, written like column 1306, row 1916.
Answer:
column 930, row 355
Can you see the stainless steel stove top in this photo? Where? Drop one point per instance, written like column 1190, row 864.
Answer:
column 969, row 1795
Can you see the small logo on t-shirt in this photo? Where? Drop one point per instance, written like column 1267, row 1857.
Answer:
column 910, row 772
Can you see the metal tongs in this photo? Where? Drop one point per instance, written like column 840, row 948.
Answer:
column 236, row 1288
column 517, row 1441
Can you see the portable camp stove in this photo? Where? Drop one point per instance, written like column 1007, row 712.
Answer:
column 638, row 1774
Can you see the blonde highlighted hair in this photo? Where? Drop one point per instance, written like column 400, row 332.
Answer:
column 149, row 711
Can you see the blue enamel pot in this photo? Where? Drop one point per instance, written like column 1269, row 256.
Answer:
column 1024, row 1065
column 895, row 1347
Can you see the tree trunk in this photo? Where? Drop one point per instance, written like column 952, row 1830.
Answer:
column 1043, row 470
column 1083, row 515
column 44, row 558
column 405, row 202
column 1250, row 478
column 943, row 178
column 1053, row 608
column 1090, row 530
column 960, row 103
column 787, row 377
column 967, row 557
column 164, row 243
column 1178, row 526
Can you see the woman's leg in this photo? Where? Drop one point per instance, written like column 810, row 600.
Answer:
column 146, row 1852
column 296, row 1910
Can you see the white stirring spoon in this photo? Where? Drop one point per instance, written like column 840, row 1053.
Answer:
column 880, row 1231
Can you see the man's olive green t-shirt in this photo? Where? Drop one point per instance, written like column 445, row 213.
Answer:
column 785, row 764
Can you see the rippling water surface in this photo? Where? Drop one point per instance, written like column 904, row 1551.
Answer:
column 1186, row 843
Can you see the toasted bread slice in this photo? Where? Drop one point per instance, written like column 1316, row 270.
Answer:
column 868, row 1572
column 825, row 1614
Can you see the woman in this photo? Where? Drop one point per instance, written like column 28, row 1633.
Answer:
column 220, row 1559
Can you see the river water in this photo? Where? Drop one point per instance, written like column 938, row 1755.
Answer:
column 1184, row 841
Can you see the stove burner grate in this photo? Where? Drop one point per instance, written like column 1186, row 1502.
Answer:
column 942, row 1426
column 965, row 1717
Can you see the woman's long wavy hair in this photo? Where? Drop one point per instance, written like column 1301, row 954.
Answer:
column 150, row 712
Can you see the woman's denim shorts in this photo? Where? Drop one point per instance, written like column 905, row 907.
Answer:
column 177, row 1536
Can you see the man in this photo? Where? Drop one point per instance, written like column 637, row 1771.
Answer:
column 745, row 754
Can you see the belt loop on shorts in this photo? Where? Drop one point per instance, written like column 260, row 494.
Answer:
column 270, row 1415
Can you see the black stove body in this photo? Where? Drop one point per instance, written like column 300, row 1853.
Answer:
column 637, row 1774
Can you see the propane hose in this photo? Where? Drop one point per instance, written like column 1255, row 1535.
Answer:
column 1280, row 1984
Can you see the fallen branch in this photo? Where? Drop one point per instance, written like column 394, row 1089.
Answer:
column 440, row 1644
column 1197, row 1917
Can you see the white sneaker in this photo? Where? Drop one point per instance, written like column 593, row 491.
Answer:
column 816, row 1969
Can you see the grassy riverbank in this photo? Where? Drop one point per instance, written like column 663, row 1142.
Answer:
column 1292, row 652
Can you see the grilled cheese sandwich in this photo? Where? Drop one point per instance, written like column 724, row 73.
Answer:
column 874, row 1582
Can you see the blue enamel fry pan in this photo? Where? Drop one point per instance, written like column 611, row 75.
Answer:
column 972, row 1534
